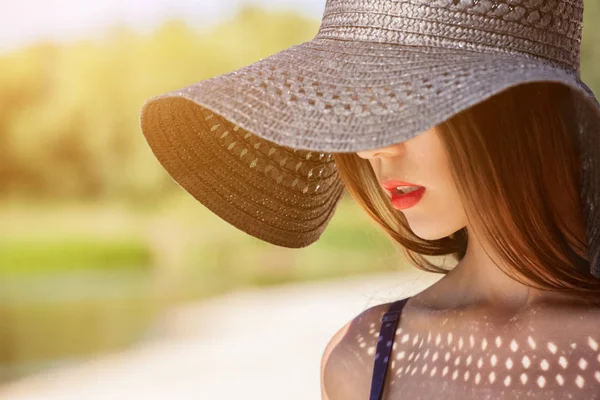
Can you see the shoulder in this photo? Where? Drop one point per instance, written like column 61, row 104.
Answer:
column 567, row 320
column 347, row 362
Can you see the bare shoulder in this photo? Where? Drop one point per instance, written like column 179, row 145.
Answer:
column 570, row 327
column 347, row 362
column 567, row 318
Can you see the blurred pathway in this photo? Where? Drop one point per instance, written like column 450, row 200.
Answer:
column 256, row 344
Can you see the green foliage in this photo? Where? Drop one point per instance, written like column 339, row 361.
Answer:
column 45, row 320
column 590, row 51
column 26, row 256
column 69, row 115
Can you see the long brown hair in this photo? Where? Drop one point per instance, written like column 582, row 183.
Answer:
column 517, row 152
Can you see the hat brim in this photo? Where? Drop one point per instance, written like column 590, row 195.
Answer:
column 255, row 185
column 323, row 96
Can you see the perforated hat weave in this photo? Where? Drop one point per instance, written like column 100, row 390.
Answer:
column 255, row 145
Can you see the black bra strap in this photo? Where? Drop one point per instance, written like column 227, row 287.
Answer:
column 389, row 323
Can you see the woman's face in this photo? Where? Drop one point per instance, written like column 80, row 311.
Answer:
column 422, row 161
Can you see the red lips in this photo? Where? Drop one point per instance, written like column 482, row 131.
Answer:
column 391, row 185
column 402, row 201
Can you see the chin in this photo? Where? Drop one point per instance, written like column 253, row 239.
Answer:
column 434, row 232
column 429, row 235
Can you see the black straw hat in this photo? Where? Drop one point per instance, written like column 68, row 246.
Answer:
column 255, row 145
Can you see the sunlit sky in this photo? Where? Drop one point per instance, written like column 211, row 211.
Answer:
column 26, row 21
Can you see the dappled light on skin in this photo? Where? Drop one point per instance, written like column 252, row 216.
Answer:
column 552, row 368
column 562, row 368
column 477, row 359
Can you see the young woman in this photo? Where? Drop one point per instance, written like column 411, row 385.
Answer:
column 518, row 314
column 463, row 129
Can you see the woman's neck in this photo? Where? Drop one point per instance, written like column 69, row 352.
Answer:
column 476, row 281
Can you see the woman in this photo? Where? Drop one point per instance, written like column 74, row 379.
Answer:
column 518, row 315
column 478, row 105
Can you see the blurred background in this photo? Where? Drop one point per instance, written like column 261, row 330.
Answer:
column 113, row 281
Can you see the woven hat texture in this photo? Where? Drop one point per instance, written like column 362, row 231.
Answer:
column 255, row 145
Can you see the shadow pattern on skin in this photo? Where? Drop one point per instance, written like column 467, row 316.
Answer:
column 472, row 355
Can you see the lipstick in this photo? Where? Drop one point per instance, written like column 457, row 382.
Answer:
column 401, row 200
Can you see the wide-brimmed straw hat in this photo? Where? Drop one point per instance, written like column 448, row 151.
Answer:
column 255, row 145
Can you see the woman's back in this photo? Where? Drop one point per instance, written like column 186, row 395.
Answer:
column 543, row 352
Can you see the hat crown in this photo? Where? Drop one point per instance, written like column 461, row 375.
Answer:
column 549, row 29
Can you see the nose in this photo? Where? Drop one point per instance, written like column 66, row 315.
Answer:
column 388, row 151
